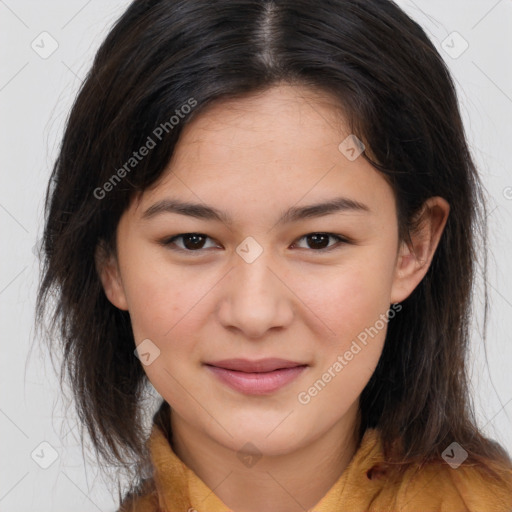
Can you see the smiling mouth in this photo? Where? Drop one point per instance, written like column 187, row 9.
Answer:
column 268, row 364
column 261, row 377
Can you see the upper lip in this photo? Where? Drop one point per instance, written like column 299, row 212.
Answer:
column 257, row 366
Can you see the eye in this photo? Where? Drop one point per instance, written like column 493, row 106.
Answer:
column 195, row 242
column 320, row 241
column 192, row 242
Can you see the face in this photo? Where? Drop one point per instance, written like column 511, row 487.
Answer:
column 256, row 273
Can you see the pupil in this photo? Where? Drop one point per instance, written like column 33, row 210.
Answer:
column 194, row 244
column 316, row 238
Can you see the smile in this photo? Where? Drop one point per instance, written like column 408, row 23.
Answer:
column 256, row 377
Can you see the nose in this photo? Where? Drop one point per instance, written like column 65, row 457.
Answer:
column 255, row 298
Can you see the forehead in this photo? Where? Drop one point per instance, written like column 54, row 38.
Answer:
column 277, row 118
column 274, row 148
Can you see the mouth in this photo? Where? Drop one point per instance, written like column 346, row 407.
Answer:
column 259, row 377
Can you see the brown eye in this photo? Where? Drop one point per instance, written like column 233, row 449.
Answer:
column 195, row 242
column 191, row 242
column 320, row 241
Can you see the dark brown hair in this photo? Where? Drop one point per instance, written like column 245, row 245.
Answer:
column 399, row 99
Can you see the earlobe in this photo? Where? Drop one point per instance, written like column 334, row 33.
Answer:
column 415, row 256
column 108, row 271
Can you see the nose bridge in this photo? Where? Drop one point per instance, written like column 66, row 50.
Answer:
column 252, row 266
column 254, row 278
column 255, row 298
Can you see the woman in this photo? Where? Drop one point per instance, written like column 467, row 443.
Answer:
column 267, row 211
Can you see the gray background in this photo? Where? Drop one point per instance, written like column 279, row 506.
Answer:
column 35, row 97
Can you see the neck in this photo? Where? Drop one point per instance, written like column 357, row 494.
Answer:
column 291, row 482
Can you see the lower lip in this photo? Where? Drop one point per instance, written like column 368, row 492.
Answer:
column 257, row 383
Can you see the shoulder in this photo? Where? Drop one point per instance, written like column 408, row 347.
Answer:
column 435, row 486
column 467, row 488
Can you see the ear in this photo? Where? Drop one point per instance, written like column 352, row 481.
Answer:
column 108, row 270
column 415, row 256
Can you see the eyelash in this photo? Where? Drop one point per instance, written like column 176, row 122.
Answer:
column 169, row 242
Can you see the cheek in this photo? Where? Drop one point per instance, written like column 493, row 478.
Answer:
column 159, row 294
column 165, row 308
column 347, row 298
column 353, row 304
column 354, row 307
column 152, row 305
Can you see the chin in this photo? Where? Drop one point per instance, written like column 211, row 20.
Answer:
column 265, row 439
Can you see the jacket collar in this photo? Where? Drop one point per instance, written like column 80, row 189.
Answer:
column 180, row 489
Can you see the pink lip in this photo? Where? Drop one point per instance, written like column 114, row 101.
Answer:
column 256, row 377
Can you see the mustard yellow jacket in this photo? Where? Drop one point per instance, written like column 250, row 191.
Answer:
column 436, row 488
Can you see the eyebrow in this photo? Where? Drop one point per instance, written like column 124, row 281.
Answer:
column 293, row 214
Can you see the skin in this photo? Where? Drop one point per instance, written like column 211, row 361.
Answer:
column 253, row 158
